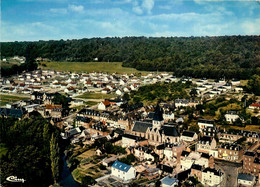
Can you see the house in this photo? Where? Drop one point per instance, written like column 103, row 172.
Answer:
column 167, row 115
column 169, row 181
column 166, row 169
column 251, row 162
column 233, row 135
column 205, row 144
column 144, row 153
column 181, row 103
column 245, row 179
column 231, row 152
column 204, row 123
column 189, row 136
column 235, row 82
column 132, row 140
column 54, row 111
column 239, row 89
column 119, row 92
column 187, row 159
column 254, row 106
column 123, row 171
column 232, row 116
column 70, row 90
column 103, row 105
column 169, row 150
column 76, row 102
column 108, row 161
column 196, row 170
column 106, row 91
column 210, row 131
column 212, row 177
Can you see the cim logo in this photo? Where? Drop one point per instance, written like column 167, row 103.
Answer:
column 14, row 179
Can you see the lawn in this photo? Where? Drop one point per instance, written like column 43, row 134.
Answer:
column 4, row 99
column 91, row 103
column 92, row 95
column 109, row 67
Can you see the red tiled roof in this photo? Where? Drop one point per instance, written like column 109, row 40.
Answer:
column 53, row 106
column 106, row 102
column 255, row 105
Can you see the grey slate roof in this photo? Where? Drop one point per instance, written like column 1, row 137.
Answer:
column 140, row 126
column 17, row 113
column 169, row 180
column 170, row 130
column 212, row 170
column 247, row 177
column 188, row 133
column 196, row 167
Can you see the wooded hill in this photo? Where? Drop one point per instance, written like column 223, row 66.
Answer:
column 212, row 57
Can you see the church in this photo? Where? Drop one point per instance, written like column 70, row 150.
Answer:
column 156, row 131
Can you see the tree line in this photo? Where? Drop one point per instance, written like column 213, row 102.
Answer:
column 211, row 57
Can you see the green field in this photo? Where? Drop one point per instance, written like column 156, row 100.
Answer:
column 96, row 96
column 4, row 99
column 91, row 103
column 109, row 67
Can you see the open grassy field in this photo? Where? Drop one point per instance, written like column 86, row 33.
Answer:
column 109, row 67
column 96, row 96
column 4, row 98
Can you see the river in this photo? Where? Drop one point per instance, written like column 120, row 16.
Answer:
column 66, row 178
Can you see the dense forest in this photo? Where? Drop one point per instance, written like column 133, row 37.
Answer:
column 212, row 57
column 31, row 151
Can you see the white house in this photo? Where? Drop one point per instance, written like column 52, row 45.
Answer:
column 130, row 140
column 168, row 116
column 169, row 182
column 212, row 177
column 189, row 136
column 231, row 116
column 103, row 105
column 123, row 171
column 245, row 179
column 204, row 123
column 143, row 153
column 239, row 89
column 235, row 82
column 119, row 92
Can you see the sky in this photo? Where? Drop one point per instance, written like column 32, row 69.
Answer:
column 33, row 20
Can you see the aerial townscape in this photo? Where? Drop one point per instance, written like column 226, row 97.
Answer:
column 125, row 93
column 138, row 128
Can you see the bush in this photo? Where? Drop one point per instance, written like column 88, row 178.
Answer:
column 87, row 180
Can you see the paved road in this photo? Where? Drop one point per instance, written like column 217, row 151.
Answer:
column 230, row 170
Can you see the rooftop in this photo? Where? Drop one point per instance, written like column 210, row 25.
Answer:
column 121, row 166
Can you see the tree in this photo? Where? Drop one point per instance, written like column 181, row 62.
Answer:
column 253, row 85
column 195, row 128
column 87, row 180
column 55, row 158
column 61, row 100
column 193, row 92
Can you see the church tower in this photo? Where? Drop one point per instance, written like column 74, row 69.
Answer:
column 158, row 117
